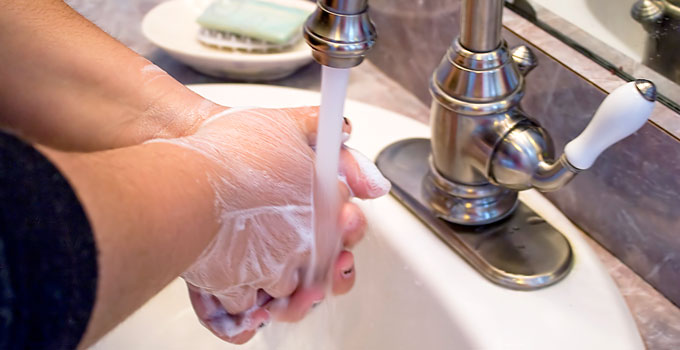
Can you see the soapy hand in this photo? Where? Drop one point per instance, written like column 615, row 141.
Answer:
column 260, row 164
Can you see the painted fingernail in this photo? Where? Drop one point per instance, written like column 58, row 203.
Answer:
column 348, row 272
column 262, row 325
column 316, row 304
column 346, row 121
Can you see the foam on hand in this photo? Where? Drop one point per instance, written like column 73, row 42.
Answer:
column 259, row 166
column 378, row 185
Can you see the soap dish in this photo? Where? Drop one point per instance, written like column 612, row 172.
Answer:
column 172, row 26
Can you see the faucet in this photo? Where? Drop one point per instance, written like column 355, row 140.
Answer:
column 483, row 148
column 340, row 32
column 660, row 19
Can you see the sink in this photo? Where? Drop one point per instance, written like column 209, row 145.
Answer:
column 412, row 291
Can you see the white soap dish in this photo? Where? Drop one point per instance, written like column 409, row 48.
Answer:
column 172, row 26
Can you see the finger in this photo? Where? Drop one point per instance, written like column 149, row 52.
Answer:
column 236, row 329
column 296, row 307
column 308, row 120
column 239, row 339
column 363, row 177
column 353, row 223
column 238, row 300
column 205, row 305
column 286, row 285
column 344, row 190
column 344, row 273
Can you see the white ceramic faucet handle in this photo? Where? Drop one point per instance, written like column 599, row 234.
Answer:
column 621, row 114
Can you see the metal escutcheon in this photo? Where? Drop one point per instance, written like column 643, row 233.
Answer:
column 521, row 252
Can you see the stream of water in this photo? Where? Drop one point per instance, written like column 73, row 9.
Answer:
column 327, row 199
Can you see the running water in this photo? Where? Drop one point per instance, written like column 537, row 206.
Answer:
column 327, row 200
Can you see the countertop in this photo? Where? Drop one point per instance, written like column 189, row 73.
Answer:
column 657, row 318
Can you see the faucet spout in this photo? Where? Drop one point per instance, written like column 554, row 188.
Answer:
column 340, row 32
column 481, row 22
column 344, row 7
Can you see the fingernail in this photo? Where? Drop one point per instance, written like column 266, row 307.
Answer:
column 348, row 272
column 262, row 325
column 316, row 304
column 346, row 121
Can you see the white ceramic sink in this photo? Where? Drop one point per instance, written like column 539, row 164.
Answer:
column 412, row 290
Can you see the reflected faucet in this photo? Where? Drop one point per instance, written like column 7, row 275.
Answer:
column 483, row 148
column 661, row 19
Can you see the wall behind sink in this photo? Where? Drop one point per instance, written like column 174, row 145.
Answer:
column 629, row 201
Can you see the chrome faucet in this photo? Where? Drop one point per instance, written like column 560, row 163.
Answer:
column 340, row 32
column 483, row 144
column 483, row 148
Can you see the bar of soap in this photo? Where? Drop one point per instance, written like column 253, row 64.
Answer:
column 256, row 19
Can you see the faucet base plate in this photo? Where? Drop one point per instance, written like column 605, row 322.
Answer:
column 520, row 252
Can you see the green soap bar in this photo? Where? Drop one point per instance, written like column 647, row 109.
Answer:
column 256, row 19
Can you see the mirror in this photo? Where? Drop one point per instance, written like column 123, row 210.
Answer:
column 631, row 38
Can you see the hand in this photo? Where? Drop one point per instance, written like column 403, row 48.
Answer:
column 260, row 165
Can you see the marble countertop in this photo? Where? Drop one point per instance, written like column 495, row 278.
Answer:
column 657, row 318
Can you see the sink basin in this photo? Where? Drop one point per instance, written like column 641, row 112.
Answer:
column 412, row 291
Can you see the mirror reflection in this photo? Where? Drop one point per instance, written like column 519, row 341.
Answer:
column 639, row 38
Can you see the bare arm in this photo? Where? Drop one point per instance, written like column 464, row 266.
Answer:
column 69, row 85
column 150, row 208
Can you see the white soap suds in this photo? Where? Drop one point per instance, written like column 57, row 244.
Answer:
column 219, row 115
column 261, row 171
column 228, row 325
column 343, row 179
column 151, row 72
column 151, row 68
column 377, row 183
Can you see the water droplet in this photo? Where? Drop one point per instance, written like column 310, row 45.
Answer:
column 535, row 220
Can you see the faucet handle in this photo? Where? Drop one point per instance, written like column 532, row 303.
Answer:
column 621, row 114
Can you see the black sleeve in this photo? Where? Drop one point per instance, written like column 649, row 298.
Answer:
column 48, row 258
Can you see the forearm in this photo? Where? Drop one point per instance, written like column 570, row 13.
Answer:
column 74, row 87
column 149, row 225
